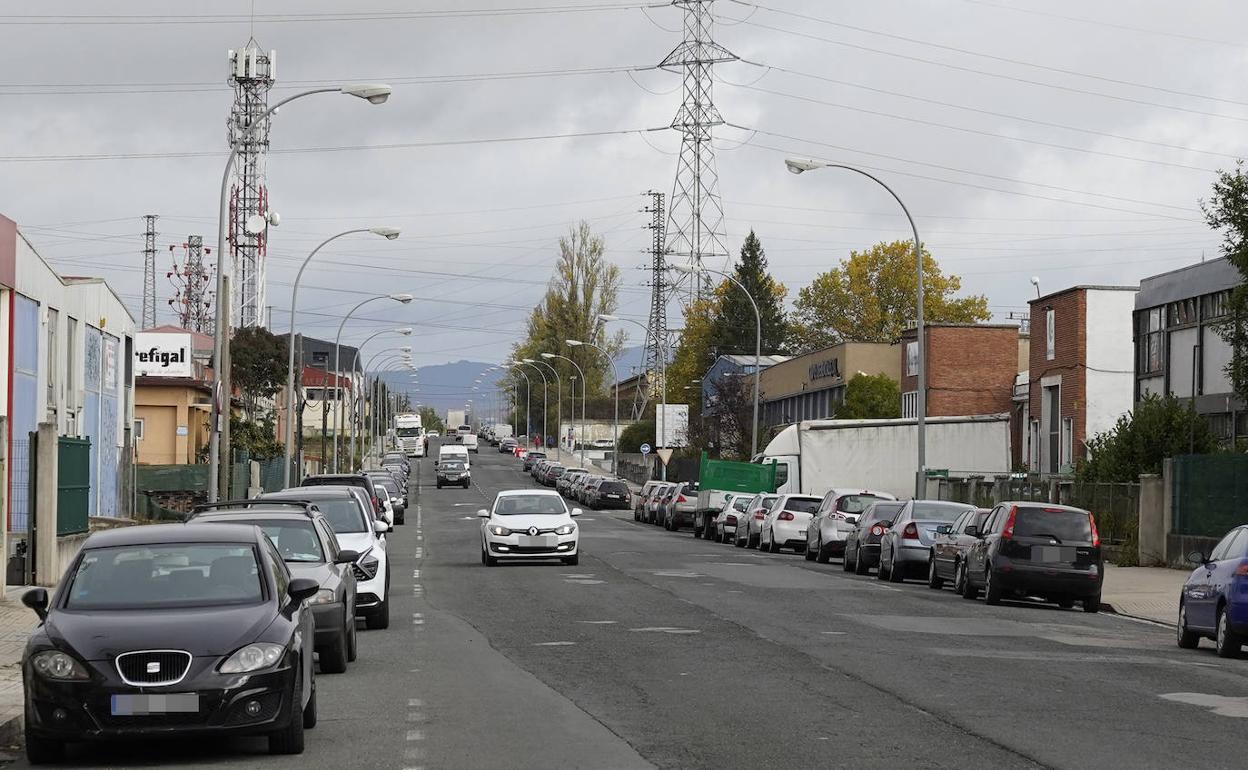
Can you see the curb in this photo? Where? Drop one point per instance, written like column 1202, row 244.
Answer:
column 1111, row 609
column 11, row 730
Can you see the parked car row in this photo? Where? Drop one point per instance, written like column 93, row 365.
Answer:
column 669, row 503
column 589, row 489
column 219, row 625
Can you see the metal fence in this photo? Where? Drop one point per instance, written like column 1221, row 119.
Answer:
column 20, row 488
column 73, row 484
column 1209, row 494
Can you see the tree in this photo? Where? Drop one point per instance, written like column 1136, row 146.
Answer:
column 584, row 285
column 735, row 325
column 694, row 352
column 870, row 397
column 257, row 365
column 640, row 432
column 870, row 297
column 1228, row 211
column 1160, row 427
column 730, row 423
column 430, row 420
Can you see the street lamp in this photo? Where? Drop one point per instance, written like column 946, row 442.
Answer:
column 797, row 166
column 374, row 93
column 528, row 398
column 660, row 422
column 694, row 268
column 558, row 400
column 582, row 374
column 545, row 399
column 615, row 440
column 402, row 298
column 402, row 355
column 389, row 233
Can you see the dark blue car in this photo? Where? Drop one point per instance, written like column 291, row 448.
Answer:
column 1214, row 603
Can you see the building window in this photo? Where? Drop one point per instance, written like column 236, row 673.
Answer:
column 1220, row 425
column 320, row 357
column 138, row 428
column 1215, row 305
column 1034, row 449
column 1068, row 441
column 1050, row 342
column 1181, row 313
column 1149, row 339
column 53, row 358
column 912, row 359
column 910, row 404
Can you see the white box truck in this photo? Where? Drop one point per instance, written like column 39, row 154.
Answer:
column 410, row 432
column 818, row 455
column 454, row 419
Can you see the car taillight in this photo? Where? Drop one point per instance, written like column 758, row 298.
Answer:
column 911, row 532
column 1096, row 536
column 785, row 516
column 730, row 519
column 1008, row 532
column 760, row 513
column 877, row 530
column 681, row 499
column 1242, row 570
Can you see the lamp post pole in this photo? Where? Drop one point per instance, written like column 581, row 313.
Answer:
column 558, row 396
column 528, row 398
column 798, row 166
column 615, row 441
column 221, row 387
column 404, row 298
column 367, row 366
column 661, row 416
column 545, row 400
column 582, row 375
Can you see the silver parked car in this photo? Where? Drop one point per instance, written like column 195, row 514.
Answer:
column 747, row 533
column 907, row 545
column 726, row 520
column 837, row 516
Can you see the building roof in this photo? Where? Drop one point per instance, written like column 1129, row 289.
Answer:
column 1082, row 287
column 765, row 360
column 202, row 343
column 1192, row 281
column 926, row 325
column 314, row 377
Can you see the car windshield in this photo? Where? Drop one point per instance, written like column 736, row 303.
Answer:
column 537, row 455
column 343, row 513
column 517, row 505
column 296, row 541
column 741, row 503
column 407, row 432
column 165, row 575
column 855, row 503
column 933, row 511
column 880, row 512
column 802, row 504
column 1066, row 526
column 451, row 465
column 613, row 487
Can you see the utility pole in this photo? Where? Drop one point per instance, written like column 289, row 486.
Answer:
column 656, row 328
column 192, row 299
column 149, row 271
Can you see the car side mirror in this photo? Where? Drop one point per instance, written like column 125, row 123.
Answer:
column 1195, row 557
column 944, row 529
column 37, row 600
column 380, row 527
column 301, row 589
column 575, row 512
column 483, row 514
column 347, row 557
column 973, row 531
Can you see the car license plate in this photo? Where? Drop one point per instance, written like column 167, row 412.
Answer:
column 801, row 533
column 140, row 705
column 1051, row 553
column 541, row 541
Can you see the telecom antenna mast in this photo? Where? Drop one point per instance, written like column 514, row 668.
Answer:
column 192, row 283
column 252, row 73
column 695, row 224
column 149, row 272
column 653, row 350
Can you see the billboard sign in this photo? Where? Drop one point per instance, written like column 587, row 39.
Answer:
column 157, row 354
column 673, row 425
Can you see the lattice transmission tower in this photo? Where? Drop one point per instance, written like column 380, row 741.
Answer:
column 252, row 73
column 656, row 329
column 192, row 283
column 149, row 271
column 695, row 224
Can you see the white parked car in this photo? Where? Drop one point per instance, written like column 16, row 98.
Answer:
column 784, row 525
column 725, row 522
column 748, row 524
column 836, row 517
column 529, row 524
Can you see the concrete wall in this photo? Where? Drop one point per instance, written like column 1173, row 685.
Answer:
column 1110, row 357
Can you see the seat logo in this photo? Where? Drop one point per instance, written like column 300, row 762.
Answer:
column 153, row 667
column 532, row 531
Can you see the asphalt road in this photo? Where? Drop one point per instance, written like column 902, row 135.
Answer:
column 661, row 650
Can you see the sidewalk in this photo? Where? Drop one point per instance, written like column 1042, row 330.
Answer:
column 1149, row 593
column 16, row 623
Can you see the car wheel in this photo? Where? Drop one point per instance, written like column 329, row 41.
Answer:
column 309, row 711
column 1227, row 641
column 959, row 578
column 488, row 560
column 1188, row 640
column 466, row 485
column 811, row 551
column 289, row 739
column 772, row 545
column 333, row 656
column 353, row 647
column 754, row 542
column 380, row 619
column 401, row 518
column 439, row 483
column 572, row 561
column 1066, row 603
column 880, row 572
column 992, row 591
column 934, row 581
column 968, row 591
column 42, row 751
column 860, row 566
column 896, row 572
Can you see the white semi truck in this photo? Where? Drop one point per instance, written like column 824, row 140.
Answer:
column 410, row 431
column 454, row 419
column 817, row 455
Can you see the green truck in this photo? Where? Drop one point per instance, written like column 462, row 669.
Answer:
column 719, row 481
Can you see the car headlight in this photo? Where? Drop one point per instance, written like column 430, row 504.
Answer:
column 57, row 665
column 253, row 657
column 566, row 529
column 323, row 596
column 498, row 529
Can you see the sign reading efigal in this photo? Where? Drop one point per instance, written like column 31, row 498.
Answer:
column 158, row 354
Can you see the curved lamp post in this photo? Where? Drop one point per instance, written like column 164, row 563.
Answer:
column 403, row 298
column 374, row 93
column 615, row 441
column 545, row 397
column 582, row 374
column 661, row 417
column 800, row 165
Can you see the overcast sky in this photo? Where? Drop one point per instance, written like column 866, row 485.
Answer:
column 1079, row 160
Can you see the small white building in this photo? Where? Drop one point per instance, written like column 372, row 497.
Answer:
column 66, row 347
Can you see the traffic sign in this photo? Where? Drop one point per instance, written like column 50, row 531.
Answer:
column 665, row 454
column 645, row 449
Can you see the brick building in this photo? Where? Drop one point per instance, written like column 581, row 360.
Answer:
column 1080, row 379
column 970, row 368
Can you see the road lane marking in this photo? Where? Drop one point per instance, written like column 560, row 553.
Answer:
column 1219, row 705
column 665, row 630
column 598, row 622
column 415, row 735
column 554, row 644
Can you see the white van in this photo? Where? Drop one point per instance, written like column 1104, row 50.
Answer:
column 456, row 451
column 469, row 441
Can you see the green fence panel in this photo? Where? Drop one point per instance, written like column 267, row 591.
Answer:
column 1210, row 493
column 73, row 484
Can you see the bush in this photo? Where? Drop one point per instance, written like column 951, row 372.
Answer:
column 1160, row 427
column 642, row 432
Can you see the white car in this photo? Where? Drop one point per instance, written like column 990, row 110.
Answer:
column 748, row 523
column 784, row 525
column 349, row 512
column 733, row 512
column 835, row 518
column 529, row 524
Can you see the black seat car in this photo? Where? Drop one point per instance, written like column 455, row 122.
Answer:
column 1036, row 549
column 166, row 630
column 950, row 546
column 306, row 541
column 862, row 545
